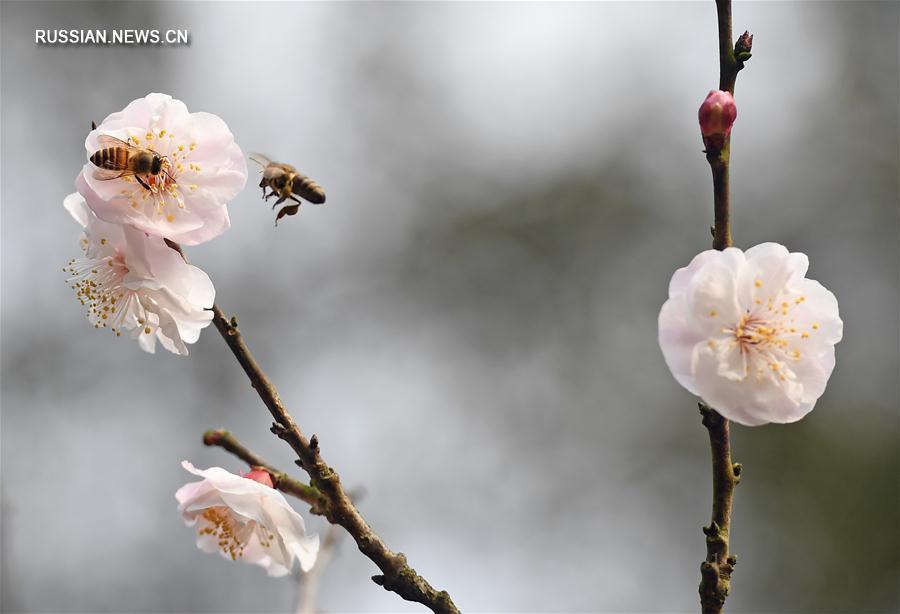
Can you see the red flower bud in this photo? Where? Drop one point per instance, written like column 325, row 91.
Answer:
column 717, row 114
column 260, row 475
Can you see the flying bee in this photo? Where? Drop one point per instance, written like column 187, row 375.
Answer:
column 286, row 183
column 117, row 158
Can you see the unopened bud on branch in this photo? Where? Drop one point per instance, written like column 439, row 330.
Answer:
column 258, row 474
column 717, row 115
column 744, row 43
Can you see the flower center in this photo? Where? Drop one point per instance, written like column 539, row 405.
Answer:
column 99, row 285
column 161, row 195
column 768, row 337
column 220, row 525
column 232, row 536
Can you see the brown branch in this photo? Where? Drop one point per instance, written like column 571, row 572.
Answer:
column 716, row 570
column 731, row 62
column 397, row 575
column 334, row 503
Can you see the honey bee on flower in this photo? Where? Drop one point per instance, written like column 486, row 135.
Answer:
column 163, row 170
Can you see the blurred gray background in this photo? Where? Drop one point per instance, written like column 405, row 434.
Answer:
column 469, row 324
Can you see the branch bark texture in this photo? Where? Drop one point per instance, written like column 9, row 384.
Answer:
column 716, row 569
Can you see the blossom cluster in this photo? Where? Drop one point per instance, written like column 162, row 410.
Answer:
column 157, row 175
column 155, row 172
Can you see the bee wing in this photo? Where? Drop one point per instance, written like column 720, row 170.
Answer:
column 108, row 140
column 260, row 159
column 105, row 174
column 285, row 167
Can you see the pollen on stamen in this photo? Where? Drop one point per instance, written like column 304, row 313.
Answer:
column 757, row 283
column 804, row 336
column 713, row 313
column 147, row 331
column 815, row 327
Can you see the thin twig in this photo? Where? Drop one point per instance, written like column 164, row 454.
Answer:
column 280, row 479
column 396, row 574
column 716, row 570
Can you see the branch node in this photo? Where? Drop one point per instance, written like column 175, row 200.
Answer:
column 213, row 437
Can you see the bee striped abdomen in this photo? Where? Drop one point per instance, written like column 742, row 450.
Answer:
column 113, row 158
column 309, row 189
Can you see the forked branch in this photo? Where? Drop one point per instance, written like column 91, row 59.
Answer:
column 330, row 499
column 396, row 574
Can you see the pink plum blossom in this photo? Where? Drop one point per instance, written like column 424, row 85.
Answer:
column 132, row 282
column 242, row 518
column 203, row 169
column 749, row 334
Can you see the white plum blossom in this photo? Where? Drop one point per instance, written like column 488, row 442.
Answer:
column 131, row 282
column 242, row 518
column 202, row 170
column 749, row 334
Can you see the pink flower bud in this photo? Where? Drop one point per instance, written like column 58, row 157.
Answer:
column 717, row 114
column 260, row 475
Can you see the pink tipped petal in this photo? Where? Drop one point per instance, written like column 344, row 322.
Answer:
column 244, row 519
column 203, row 170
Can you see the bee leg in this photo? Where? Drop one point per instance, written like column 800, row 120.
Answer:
column 287, row 210
column 142, row 182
